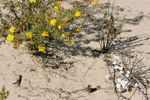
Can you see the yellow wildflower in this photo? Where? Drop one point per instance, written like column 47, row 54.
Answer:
column 56, row 8
column 12, row 29
column 78, row 13
column 45, row 33
column 53, row 22
column 10, row 37
column 97, row 3
column 58, row 2
column 79, row 30
column 33, row 1
column 65, row 35
column 29, row 34
column 92, row 2
column 71, row 42
column 41, row 48
column 59, row 26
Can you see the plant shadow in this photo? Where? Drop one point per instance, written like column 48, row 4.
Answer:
column 83, row 46
column 124, row 46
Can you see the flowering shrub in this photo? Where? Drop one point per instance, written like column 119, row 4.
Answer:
column 37, row 22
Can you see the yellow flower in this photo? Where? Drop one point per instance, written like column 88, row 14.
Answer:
column 10, row 37
column 65, row 35
column 79, row 30
column 56, row 8
column 97, row 3
column 12, row 29
column 78, row 13
column 41, row 48
column 59, row 26
column 53, row 22
column 71, row 42
column 92, row 2
column 58, row 2
column 33, row 1
column 29, row 34
column 45, row 33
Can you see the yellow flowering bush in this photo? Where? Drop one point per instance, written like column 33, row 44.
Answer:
column 38, row 22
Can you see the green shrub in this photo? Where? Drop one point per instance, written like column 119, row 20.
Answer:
column 108, row 31
column 37, row 22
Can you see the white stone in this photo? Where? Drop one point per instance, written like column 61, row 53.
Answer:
column 127, row 75
column 108, row 76
column 124, row 84
column 118, row 86
column 116, row 67
column 116, row 57
column 121, row 68
column 128, row 72
column 119, row 79
column 144, row 79
column 120, row 90
column 114, row 62
column 121, row 72
column 136, row 85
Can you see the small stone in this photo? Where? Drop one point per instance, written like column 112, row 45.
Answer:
column 116, row 57
column 136, row 85
column 121, row 72
column 114, row 62
column 119, row 80
column 128, row 72
column 108, row 76
column 116, row 67
column 127, row 75
column 118, row 86
column 120, row 68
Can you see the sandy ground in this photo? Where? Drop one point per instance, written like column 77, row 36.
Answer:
column 69, row 81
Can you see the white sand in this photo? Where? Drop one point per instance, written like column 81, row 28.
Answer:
column 55, row 84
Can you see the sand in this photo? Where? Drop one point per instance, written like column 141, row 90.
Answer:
column 69, row 81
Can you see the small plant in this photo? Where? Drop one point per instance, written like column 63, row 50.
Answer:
column 108, row 31
column 3, row 94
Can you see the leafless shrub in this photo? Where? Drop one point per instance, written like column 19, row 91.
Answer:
column 129, row 74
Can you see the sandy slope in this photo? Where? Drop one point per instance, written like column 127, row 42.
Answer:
column 39, row 83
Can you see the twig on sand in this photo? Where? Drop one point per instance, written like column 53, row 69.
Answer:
column 113, row 79
column 93, row 63
column 88, row 89
column 18, row 81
